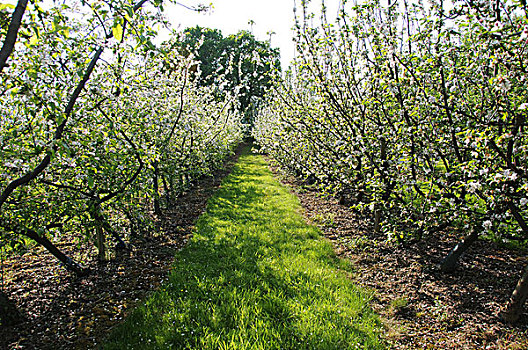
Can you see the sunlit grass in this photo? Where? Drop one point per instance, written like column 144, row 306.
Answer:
column 254, row 276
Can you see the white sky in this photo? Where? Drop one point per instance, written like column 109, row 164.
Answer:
column 231, row 16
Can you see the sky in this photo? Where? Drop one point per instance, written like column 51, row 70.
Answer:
column 231, row 16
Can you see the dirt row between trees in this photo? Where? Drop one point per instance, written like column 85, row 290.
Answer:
column 61, row 311
column 422, row 307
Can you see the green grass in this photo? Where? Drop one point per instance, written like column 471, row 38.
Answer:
column 254, row 276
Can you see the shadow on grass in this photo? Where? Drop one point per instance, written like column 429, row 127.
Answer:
column 255, row 276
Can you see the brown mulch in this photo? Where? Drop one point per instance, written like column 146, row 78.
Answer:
column 62, row 311
column 421, row 307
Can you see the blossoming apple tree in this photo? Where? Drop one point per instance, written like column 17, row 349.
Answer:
column 97, row 124
column 414, row 113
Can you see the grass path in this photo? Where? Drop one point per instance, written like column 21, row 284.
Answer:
column 254, row 276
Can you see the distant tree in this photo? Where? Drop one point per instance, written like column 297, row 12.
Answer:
column 206, row 44
column 247, row 64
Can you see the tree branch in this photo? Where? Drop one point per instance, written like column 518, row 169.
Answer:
column 12, row 33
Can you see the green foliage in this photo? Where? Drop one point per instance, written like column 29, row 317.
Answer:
column 238, row 62
column 254, row 276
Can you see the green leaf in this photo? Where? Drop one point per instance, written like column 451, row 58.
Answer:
column 33, row 40
column 59, row 119
column 129, row 13
column 117, row 30
column 6, row 6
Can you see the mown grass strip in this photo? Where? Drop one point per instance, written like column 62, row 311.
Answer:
column 254, row 276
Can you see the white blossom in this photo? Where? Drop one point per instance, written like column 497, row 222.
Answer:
column 474, row 186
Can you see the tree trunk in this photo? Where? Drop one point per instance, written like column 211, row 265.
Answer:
column 377, row 220
column 155, row 188
column 69, row 264
column 167, row 191
column 120, row 244
column 515, row 306
column 100, row 242
column 450, row 262
column 97, row 216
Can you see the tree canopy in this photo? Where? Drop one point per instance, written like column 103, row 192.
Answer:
column 235, row 62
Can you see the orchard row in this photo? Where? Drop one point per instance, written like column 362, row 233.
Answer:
column 414, row 114
column 98, row 126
